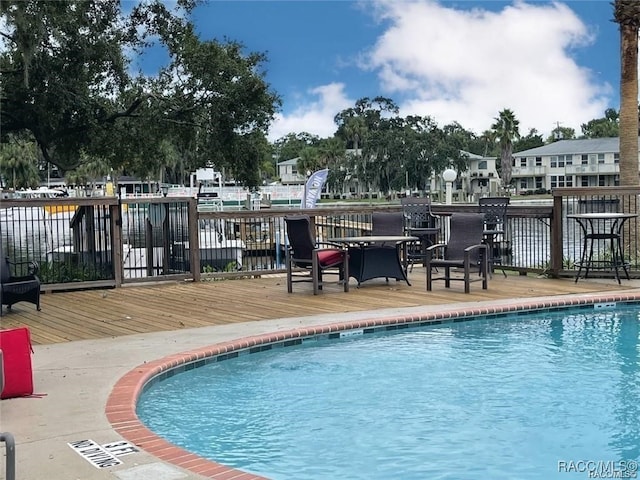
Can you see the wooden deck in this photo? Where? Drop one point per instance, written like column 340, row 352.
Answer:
column 69, row 316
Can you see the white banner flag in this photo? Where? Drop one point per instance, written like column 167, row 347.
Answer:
column 313, row 188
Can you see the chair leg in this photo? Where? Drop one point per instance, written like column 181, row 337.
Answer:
column 467, row 273
column 289, row 275
column 484, row 268
column 345, row 271
column 316, row 274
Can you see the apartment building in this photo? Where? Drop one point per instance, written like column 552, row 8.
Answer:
column 590, row 162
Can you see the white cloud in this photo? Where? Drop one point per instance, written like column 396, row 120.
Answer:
column 467, row 65
column 315, row 117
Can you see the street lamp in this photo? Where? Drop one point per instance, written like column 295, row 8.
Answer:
column 449, row 176
column 165, row 189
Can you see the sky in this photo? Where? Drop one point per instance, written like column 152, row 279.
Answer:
column 551, row 63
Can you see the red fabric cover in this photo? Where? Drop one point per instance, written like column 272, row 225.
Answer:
column 329, row 256
column 16, row 352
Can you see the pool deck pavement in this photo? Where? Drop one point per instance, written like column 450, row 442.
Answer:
column 77, row 380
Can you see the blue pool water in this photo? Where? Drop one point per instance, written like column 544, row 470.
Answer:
column 533, row 396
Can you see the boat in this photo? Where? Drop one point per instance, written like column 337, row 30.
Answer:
column 35, row 213
column 217, row 253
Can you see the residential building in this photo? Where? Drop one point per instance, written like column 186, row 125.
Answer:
column 478, row 180
column 481, row 177
column 592, row 162
column 288, row 172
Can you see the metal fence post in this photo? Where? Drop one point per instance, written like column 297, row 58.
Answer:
column 11, row 455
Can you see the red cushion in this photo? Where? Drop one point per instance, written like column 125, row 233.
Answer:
column 330, row 256
column 16, row 350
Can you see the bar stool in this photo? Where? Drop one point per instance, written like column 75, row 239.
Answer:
column 422, row 223
column 495, row 222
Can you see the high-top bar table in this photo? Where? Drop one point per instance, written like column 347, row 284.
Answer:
column 605, row 226
column 377, row 256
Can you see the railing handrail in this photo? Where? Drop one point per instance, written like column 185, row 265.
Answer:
column 545, row 216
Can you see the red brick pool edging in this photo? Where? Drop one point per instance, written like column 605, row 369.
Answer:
column 121, row 404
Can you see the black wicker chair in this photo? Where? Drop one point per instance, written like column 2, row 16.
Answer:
column 464, row 250
column 14, row 289
column 307, row 260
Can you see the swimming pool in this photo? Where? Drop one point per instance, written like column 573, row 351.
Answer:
column 508, row 396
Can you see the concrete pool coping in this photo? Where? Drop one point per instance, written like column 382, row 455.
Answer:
column 89, row 388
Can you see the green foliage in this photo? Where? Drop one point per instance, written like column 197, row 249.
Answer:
column 531, row 140
column 290, row 146
column 18, row 164
column 560, row 133
column 229, row 267
column 66, row 81
column 607, row 126
column 506, row 131
column 65, row 272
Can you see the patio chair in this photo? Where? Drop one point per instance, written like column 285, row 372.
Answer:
column 464, row 250
column 384, row 224
column 422, row 223
column 494, row 210
column 387, row 223
column 16, row 289
column 307, row 259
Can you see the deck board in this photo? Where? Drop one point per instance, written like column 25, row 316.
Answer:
column 100, row 313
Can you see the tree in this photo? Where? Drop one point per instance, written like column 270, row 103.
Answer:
column 355, row 130
column 309, row 160
column 627, row 14
column 291, row 145
column 559, row 133
column 357, row 123
column 66, row 81
column 18, row 164
column 331, row 155
column 607, row 126
column 531, row 140
column 506, row 131
column 488, row 139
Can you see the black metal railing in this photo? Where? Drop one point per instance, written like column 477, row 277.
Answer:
column 568, row 236
column 107, row 241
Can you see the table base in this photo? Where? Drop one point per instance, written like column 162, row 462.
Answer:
column 373, row 261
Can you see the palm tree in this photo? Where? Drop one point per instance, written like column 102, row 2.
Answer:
column 506, row 131
column 355, row 129
column 331, row 152
column 18, row 161
column 627, row 14
column 488, row 137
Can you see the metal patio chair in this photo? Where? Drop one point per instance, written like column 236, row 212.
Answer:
column 422, row 223
column 465, row 250
column 307, row 260
column 494, row 210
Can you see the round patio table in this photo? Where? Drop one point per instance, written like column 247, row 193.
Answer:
column 605, row 226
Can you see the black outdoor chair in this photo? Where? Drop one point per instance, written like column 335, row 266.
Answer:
column 465, row 250
column 15, row 288
column 387, row 223
column 494, row 210
column 422, row 223
column 307, row 260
